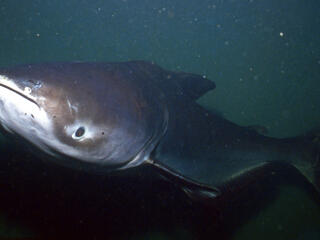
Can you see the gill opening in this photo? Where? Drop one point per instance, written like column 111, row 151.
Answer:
column 21, row 94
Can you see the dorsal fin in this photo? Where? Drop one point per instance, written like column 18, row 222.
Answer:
column 193, row 85
column 177, row 83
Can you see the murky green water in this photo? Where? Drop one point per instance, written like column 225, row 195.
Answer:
column 264, row 56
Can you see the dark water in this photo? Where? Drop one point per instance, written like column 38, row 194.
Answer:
column 264, row 56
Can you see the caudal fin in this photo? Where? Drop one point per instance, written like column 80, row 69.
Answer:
column 309, row 161
column 316, row 163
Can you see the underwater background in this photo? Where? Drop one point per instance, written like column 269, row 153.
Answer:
column 263, row 55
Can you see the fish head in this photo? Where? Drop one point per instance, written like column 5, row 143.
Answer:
column 81, row 114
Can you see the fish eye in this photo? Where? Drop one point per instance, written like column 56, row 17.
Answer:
column 80, row 132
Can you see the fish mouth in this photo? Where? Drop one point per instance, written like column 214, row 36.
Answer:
column 19, row 93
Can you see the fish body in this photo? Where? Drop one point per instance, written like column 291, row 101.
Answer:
column 109, row 117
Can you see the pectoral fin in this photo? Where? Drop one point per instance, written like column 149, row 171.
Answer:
column 194, row 190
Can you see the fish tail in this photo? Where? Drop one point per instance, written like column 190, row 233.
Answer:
column 316, row 163
column 309, row 165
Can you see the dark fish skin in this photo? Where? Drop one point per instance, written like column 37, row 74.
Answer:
column 206, row 147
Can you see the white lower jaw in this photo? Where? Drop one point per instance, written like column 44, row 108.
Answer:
column 21, row 115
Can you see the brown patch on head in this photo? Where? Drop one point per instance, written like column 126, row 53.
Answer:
column 55, row 103
column 59, row 104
